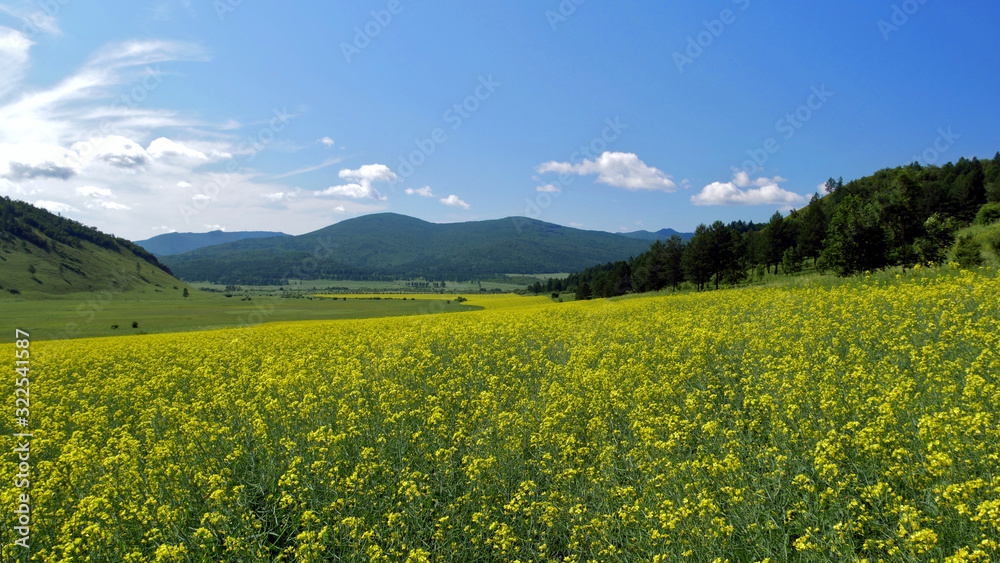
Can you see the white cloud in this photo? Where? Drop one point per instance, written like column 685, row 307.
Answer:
column 280, row 196
column 164, row 147
column 356, row 191
column 215, row 227
column 28, row 161
column 115, row 150
column 364, row 178
column 14, row 61
column 326, row 141
column 423, row 192
column 454, row 201
column 548, row 188
column 744, row 191
column 90, row 99
column 618, row 169
column 88, row 127
column 95, row 192
column 55, row 206
column 324, row 164
column 114, row 206
column 33, row 20
column 164, row 229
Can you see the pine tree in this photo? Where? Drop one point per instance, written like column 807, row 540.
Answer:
column 856, row 240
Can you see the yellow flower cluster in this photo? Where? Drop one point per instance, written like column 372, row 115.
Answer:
column 856, row 421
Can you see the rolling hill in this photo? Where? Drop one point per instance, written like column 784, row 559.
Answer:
column 176, row 243
column 43, row 254
column 388, row 245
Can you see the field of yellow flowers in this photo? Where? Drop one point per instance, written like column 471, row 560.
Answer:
column 854, row 420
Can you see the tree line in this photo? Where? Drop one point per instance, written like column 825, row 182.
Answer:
column 898, row 216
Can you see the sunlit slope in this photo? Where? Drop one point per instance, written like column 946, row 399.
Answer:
column 852, row 422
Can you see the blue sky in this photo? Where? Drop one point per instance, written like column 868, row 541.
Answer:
column 147, row 117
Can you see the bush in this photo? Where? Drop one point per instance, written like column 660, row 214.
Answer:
column 114, row 327
column 993, row 239
column 791, row 262
column 135, row 324
column 968, row 252
column 988, row 214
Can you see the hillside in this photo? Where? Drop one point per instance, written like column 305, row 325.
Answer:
column 176, row 243
column 901, row 216
column 43, row 254
column 390, row 245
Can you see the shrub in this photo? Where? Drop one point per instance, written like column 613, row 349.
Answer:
column 114, row 327
column 988, row 214
column 135, row 324
column 967, row 252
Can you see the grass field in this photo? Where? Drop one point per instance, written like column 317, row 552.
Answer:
column 851, row 420
column 93, row 314
column 513, row 283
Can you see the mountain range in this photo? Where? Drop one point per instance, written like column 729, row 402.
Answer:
column 389, row 245
column 662, row 234
column 176, row 243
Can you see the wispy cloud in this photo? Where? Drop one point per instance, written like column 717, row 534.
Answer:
column 325, row 164
column 423, row 192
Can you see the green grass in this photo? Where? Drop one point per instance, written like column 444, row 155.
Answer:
column 93, row 314
column 35, row 273
column 308, row 286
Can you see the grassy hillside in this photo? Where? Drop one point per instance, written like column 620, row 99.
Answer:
column 42, row 254
column 390, row 245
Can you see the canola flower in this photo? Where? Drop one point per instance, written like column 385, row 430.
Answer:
column 856, row 422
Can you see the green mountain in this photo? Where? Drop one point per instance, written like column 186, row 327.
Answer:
column 388, row 245
column 176, row 243
column 662, row 234
column 43, row 254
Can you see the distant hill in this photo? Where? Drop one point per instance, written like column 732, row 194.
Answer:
column 176, row 243
column 662, row 234
column 388, row 245
column 43, row 254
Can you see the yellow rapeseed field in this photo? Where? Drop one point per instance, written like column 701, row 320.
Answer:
column 842, row 421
